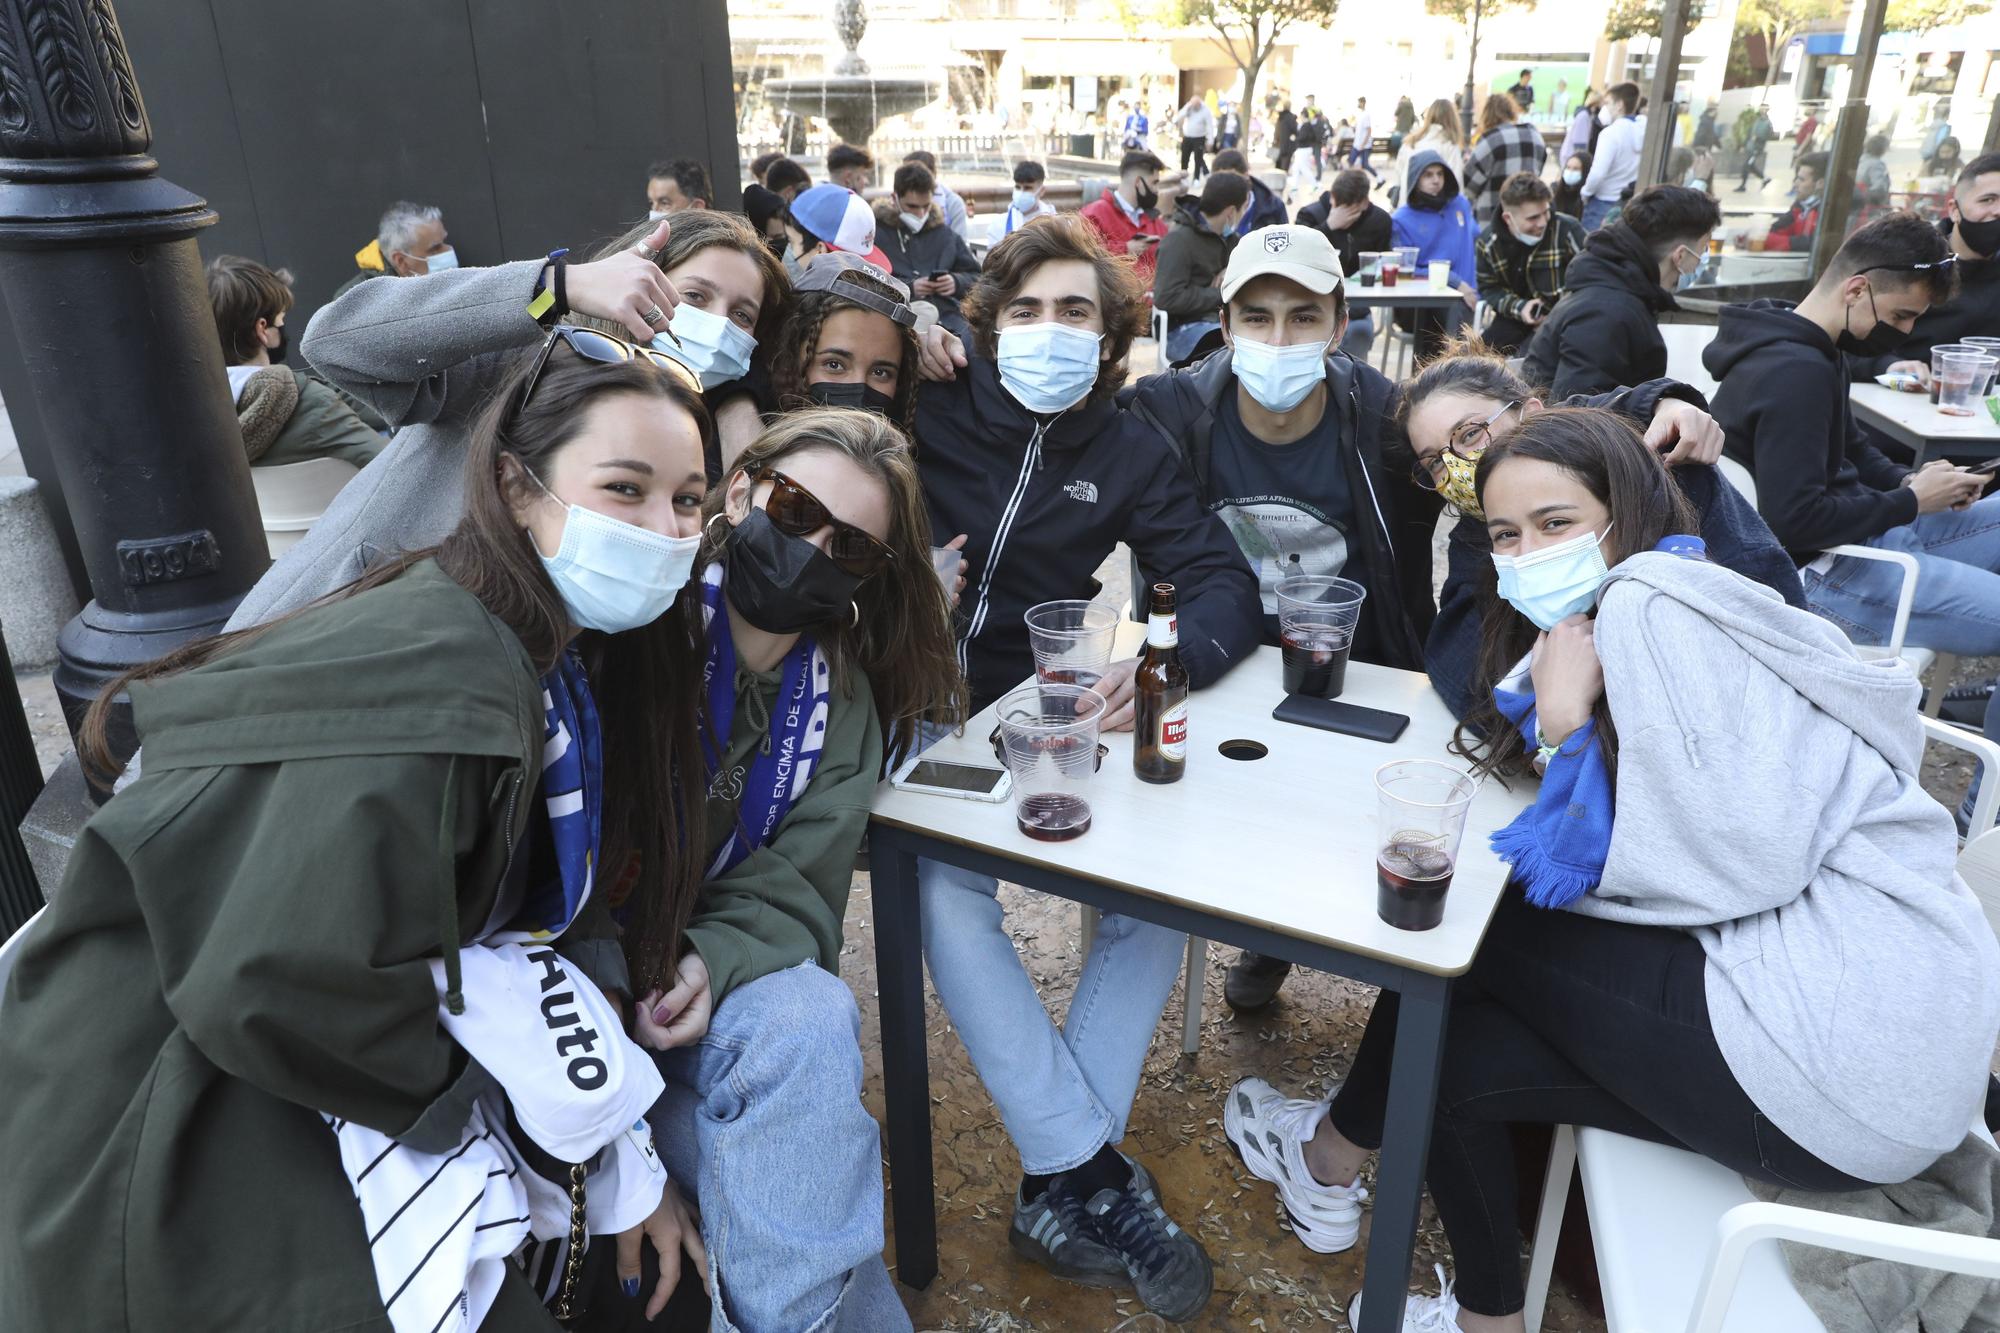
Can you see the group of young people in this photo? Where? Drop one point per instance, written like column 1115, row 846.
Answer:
column 527, row 790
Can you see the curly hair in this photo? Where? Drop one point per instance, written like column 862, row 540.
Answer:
column 1120, row 298
column 798, row 340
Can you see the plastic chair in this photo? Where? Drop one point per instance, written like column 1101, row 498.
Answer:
column 1678, row 1236
column 10, row 948
column 1685, row 343
column 292, row 496
column 1942, row 666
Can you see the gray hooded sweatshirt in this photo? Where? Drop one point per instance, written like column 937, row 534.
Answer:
column 1768, row 803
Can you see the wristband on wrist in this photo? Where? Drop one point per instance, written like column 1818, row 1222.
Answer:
column 551, row 302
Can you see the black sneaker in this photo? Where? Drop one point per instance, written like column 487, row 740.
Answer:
column 1253, row 981
column 1169, row 1268
column 1055, row 1233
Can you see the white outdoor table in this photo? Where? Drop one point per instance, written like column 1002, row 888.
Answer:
column 1276, row 855
column 1914, row 420
column 1415, row 295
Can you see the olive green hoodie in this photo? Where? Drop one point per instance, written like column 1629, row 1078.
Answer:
column 240, row 943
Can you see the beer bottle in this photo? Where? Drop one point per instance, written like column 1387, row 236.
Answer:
column 1159, row 747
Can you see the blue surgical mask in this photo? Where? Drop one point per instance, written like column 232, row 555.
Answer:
column 615, row 576
column 714, row 348
column 1024, row 201
column 655, row 214
column 1572, row 177
column 1279, row 378
column 442, row 261
column 1556, row 582
column 1047, row 367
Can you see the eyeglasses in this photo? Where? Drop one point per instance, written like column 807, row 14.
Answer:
column 797, row 512
column 1466, row 442
column 603, row 348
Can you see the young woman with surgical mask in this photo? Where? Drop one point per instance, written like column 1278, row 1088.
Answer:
column 343, row 816
column 1463, row 401
column 827, row 646
column 1730, row 874
column 1569, row 190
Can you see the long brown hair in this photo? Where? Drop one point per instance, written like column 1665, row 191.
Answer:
column 644, row 681
column 1498, row 109
column 798, row 340
column 1119, row 292
column 1604, row 452
column 695, row 230
column 1444, row 115
column 903, row 640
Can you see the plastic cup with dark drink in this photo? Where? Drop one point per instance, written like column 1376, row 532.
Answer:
column 1071, row 640
column 1420, row 808
column 1316, row 619
column 1048, row 734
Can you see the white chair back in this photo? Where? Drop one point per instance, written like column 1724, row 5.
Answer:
column 10, row 948
column 1684, row 347
column 292, row 496
column 1979, row 867
column 1739, row 477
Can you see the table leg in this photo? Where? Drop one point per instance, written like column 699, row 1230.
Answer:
column 1387, row 333
column 1399, row 1178
column 1917, row 459
column 899, row 980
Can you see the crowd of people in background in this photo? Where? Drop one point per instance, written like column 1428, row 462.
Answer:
column 633, row 523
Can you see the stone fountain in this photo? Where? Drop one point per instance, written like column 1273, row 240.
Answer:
column 851, row 99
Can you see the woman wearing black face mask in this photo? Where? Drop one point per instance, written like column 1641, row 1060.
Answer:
column 849, row 341
column 827, row 645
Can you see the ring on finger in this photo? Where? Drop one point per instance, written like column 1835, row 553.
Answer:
column 653, row 315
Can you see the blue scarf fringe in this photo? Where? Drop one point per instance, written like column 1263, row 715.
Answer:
column 1558, row 845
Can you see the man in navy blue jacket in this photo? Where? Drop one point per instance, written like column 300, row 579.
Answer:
column 1027, row 453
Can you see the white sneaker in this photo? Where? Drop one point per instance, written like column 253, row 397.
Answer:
column 1422, row 1314
column 1269, row 1133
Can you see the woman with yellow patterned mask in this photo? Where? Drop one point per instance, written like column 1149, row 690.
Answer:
column 1462, row 401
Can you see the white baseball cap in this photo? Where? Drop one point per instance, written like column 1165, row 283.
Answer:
column 1287, row 250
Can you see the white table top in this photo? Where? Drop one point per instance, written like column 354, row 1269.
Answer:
column 1286, row 842
column 1914, row 412
column 1403, row 296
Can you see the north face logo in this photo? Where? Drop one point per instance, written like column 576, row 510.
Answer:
column 1277, row 243
column 1085, row 491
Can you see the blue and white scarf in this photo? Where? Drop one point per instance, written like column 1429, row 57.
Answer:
column 780, row 770
column 573, row 791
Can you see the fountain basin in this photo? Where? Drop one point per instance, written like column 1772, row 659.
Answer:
column 854, row 104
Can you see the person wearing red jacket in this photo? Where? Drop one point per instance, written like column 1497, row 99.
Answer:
column 1128, row 218
column 1796, row 229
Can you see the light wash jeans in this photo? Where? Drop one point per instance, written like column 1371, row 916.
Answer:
column 1062, row 1093
column 1595, row 211
column 1957, row 606
column 762, row 1126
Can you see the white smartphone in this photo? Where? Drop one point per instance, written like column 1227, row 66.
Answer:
column 968, row 782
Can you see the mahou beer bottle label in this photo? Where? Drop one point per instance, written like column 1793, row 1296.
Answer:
column 1163, row 631
column 1173, row 731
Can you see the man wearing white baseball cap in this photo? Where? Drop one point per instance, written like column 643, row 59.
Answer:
column 836, row 218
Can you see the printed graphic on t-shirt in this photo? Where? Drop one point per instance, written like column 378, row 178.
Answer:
column 1270, row 530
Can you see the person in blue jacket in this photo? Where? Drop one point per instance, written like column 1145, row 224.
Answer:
column 1437, row 220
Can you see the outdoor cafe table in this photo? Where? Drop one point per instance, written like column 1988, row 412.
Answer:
column 1914, row 420
column 1275, row 855
column 1415, row 295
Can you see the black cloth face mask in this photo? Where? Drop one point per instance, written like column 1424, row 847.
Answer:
column 1429, row 200
column 1147, row 197
column 277, row 354
column 1883, row 339
column 1982, row 237
column 866, row 397
column 782, row 584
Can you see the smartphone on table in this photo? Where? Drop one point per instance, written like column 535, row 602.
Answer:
column 944, row 777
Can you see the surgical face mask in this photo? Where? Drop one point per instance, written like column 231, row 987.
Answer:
column 615, row 576
column 442, row 261
column 792, row 264
column 1279, row 378
column 912, row 221
column 1456, row 484
column 1983, row 238
column 866, row 397
column 1531, row 239
column 1047, row 367
column 1605, row 114
column 1556, row 582
column 712, row 347
column 1024, row 201
column 1881, row 340
column 655, row 214
column 783, row 584
column 1571, row 176
column 1684, row 278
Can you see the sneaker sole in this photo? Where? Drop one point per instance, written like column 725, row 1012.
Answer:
column 1031, row 1250
column 1307, row 1234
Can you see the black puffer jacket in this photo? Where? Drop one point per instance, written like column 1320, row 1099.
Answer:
column 1187, row 283
column 1605, row 332
column 1045, row 499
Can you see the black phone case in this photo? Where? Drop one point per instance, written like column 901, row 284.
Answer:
column 1370, row 724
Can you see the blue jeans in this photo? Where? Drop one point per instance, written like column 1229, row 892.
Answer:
column 762, row 1125
column 1182, row 336
column 1595, row 211
column 1062, row 1093
column 1360, row 335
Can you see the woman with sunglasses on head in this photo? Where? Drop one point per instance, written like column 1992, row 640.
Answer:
column 849, row 340
column 286, row 931
column 1465, row 399
column 1734, row 923
column 428, row 353
column 827, row 645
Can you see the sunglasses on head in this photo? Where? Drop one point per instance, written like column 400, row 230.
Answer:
column 603, row 348
column 797, row 512
column 1947, row 262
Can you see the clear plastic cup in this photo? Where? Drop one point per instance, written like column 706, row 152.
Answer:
column 946, row 561
column 1406, row 257
column 1420, row 808
column 1440, row 275
column 1944, row 349
column 1316, row 620
column 1071, row 641
column 1961, row 379
column 1392, row 268
column 1989, row 347
column 1048, row 735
